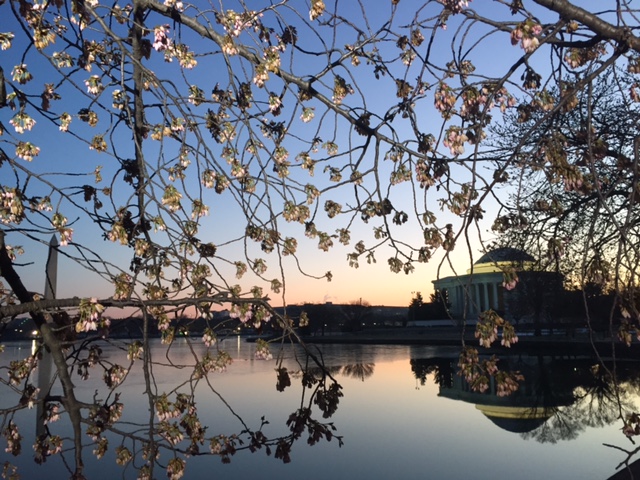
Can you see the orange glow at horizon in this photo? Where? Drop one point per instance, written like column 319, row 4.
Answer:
column 372, row 283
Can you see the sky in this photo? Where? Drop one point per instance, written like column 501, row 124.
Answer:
column 225, row 224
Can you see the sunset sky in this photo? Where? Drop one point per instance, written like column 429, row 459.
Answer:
column 225, row 225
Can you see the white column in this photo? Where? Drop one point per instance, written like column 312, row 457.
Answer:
column 487, row 304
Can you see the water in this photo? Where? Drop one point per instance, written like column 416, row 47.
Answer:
column 404, row 414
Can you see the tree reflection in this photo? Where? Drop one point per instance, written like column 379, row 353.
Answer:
column 441, row 369
column 603, row 395
column 359, row 371
column 95, row 378
column 558, row 399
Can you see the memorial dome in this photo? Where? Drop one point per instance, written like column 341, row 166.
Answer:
column 505, row 254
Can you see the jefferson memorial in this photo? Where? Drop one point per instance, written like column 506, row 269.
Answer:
column 482, row 288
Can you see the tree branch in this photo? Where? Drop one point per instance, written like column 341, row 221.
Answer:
column 568, row 11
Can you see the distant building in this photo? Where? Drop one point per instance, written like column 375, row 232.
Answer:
column 547, row 386
column 482, row 288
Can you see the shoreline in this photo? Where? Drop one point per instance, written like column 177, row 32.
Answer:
column 551, row 343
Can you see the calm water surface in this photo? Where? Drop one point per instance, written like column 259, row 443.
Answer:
column 404, row 414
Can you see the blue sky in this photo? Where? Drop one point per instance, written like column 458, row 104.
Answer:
column 226, row 222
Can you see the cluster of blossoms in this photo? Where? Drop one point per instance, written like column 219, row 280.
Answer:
column 20, row 74
column 123, row 286
column 489, row 96
column 332, row 208
column 114, row 412
column 29, row 395
column 293, row 212
column 119, row 99
column 306, row 162
column 98, row 143
column 162, row 43
column 13, row 438
column 171, row 198
column 160, row 40
column 196, row 95
column 21, row 369
column 331, row 148
column 94, row 85
column 91, row 316
column 51, row 413
column 65, row 121
column 59, row 222
column 135, row 351
column 171, row 432
column 175, row 4
column 11, row 206
column 289, row 246
column 199, row 209
column 62, row 60
column 114, row 376
column 6, row 39
column 574, row 180
column 324, row 242
column 22, row 122
column 631, row 425
column 186, row 58
column 241, row 269
column 444, row 100
column 101, row 418
column 238, row 170
column 477, row 373
column 165, row 409
column 577, row 57
column 526, row 34
column 209, row 178
column 13, row 253
column 340, row 89
column 280, row 157
column 42, row 205
column 510, row 278
column 175, row 468
column 261, row 75
column 423, row 174
column 27, row 151
column 123, row 455
column 235, row 23
column 88, row 116
column 402, row 173
column 209, row 337
column 307, row 114
column 208, row 364
column 46, row 446
column 259, row 266
column 487, row 329
column 262, row 350
column 507, row 382
column 317, row 9
column 271, row 58
column 472, row 371
column 344, row 236
column 456, row 6
column 92, row 359
column 242, row 312
column 101, row 447
column 455, row 139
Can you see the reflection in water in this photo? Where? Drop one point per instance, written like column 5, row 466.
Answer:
column 360, row 371
column 558, row 399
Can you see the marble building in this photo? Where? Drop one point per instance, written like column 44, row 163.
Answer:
column 481, row 288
